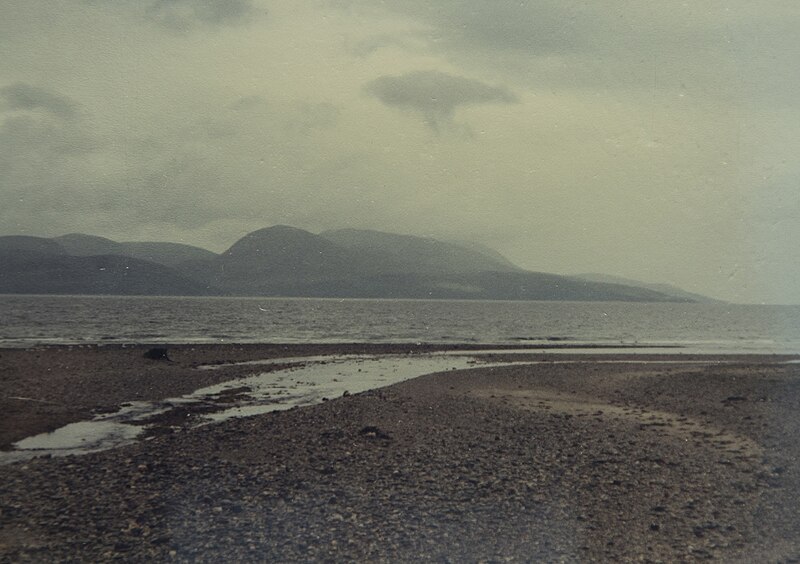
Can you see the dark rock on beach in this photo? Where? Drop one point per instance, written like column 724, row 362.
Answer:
column 157, row 353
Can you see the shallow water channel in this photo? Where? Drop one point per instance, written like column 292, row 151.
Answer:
column 310, row 381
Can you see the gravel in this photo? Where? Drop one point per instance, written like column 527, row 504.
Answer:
column 547, row 462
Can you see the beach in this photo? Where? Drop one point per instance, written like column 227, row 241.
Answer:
column 573, row 458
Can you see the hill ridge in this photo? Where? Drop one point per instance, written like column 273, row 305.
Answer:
column 282, row 260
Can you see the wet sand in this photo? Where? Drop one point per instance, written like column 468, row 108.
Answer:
column 556, row 461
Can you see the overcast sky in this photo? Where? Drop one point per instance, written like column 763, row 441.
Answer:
column 656, row 140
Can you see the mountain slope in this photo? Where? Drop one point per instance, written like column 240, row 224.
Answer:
column 280, row 260
column 32, row 272
column 27, row 243
column 487, row 252
column 285, row 261
column 162, row 252
column 479, row 286
column 668, row 289
column 81, row 245
column 419, row 255
column 169, row 254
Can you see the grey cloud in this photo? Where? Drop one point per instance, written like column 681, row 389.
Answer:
column 43, row 169
column 53, row 185
column 29, row 126
column 435, row 95
column 183, row 15
column 556, row 27
column 543, row 27
column 22, row 96
column 55, row 171
column 372, row 44
column 613, row 44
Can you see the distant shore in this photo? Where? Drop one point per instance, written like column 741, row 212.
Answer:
column 575, row 461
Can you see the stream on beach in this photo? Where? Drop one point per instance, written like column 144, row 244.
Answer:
column 307, row 381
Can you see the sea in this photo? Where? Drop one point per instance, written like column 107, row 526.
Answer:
column 27, row 321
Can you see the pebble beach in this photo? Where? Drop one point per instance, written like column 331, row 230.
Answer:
column 570, row 458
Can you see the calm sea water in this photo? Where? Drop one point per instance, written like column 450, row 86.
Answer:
column 29, row 320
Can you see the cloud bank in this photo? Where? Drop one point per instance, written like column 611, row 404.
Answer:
column 435, row 95
column 185, row 14
column 23, row 96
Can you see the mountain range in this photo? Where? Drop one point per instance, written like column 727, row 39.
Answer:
column 290, row 262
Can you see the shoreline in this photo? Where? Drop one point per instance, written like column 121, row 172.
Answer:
column 553, row 461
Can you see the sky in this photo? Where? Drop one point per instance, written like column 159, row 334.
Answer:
column 647, row 139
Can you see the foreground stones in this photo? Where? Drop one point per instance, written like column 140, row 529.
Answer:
column 541, row 463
